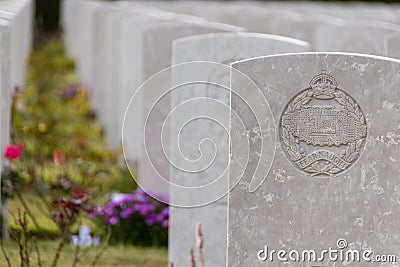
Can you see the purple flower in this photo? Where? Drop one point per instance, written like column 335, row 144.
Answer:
column 113, row 220
column 145, row 209
column 154, row 212
column 151, row 219
column 165, row 211
column 128, row 212
column 165, row 224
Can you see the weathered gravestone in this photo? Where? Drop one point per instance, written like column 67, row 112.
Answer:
column 131, row 76
column 256, row 17
column 374, row 11
column 333, row 183
column 358, row 36
column 83, row 39
column 346, row 10
column 205, row 109
column 157, row 39
column 113, row 59
column 6, row 81
column 213, row 10
column 391, row 44
column 19, row 13
column 104, row 64
column 15, row 13
column 105, row 60
column 15, row 44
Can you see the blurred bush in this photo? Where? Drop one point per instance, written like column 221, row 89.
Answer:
column 62, row 146
column 53, row 114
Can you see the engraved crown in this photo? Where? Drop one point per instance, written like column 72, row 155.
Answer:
column 323, row 85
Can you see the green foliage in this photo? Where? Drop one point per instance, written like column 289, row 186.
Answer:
column 135, row 231
column 64, row 151
column 51, row 115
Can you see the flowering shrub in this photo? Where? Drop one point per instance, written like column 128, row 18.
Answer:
column 66, row 209
column 136, row 218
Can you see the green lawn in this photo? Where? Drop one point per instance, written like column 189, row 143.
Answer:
column 117, row 255
column 113, row 256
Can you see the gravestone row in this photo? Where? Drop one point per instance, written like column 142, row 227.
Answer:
column 16, row 26
column 96, row 35
column 249, row 128
column 16, row 18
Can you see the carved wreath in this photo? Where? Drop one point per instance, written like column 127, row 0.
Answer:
column 292, row 143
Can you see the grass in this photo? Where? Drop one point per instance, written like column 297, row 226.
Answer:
column 36, row 206
column 113, row 256
column 117, row 255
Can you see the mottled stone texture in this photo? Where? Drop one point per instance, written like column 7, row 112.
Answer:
column 157, row 41
column 292, row 210
column 15, row 43
column 355, row 36
column 221, row 48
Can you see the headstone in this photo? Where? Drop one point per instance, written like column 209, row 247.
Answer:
column 391, row 45
column 152, row 165
column 210, row 105
column 375, row 11
column 357, row 36
column 6, row 82
column 83, row 39
column 70, row 19
column 14, row 13
column 212, row 11
column 15, row 42
column 333, row 183
column 145, row 50
column 264, row 18
column 112, row 60
column 104, row 65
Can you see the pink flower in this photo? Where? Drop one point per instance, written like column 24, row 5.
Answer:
column 58, row 157
column 13, row 152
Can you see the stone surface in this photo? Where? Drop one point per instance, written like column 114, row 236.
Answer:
column 18, row 15
column 78, row 25
column 293, row 209
column 15, row 44
column 213, row 11
column 131, row 74
column 105, row 58
column 153, row 165
column 6, row 91
column 83, row 38
column 358, row 36
column 15, row 30
column 221, row 48
column 391, row 43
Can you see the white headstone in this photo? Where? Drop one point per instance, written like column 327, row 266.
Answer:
column 6, row 82
column 157, row 53
column 112, row 60
column 206, row 103
column 333, row 183
column 358, row 36
column 132, row 74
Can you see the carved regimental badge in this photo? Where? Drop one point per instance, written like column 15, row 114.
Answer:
column 323, row 129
